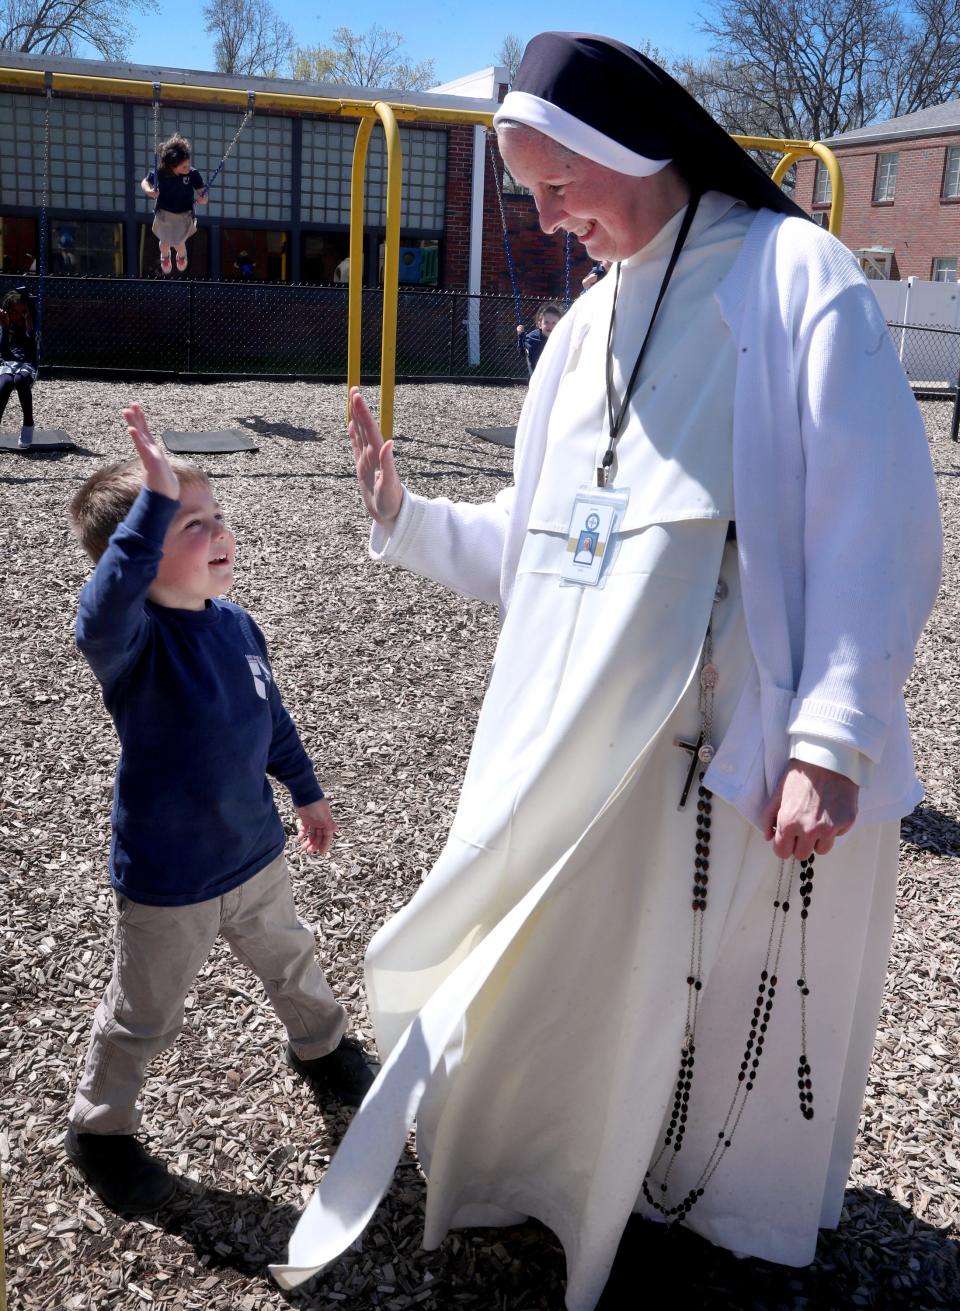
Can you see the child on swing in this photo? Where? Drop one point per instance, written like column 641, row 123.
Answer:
column 531, row 343
column 177, row 187
column 18, row 356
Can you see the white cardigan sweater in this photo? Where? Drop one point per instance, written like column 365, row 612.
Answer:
column 838, row 530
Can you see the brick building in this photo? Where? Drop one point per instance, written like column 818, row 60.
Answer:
column 540, row 262
column 902, row 194
column 280, row 209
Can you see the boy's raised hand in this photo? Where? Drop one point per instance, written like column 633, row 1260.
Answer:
column 380, row 485
column 315, row 828
column 158, row 472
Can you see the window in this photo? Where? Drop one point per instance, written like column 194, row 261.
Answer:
column 419, row 262
column 885, row 183
column 324, row 257
column 18, row 245
column 876, row 262
column 256, row 179
column 327, row 167
column 945, row 268
column 822, row 190
column 821, row 218
column 951, row 174
column 86, row 152
column 253, row 255
column 77, row 247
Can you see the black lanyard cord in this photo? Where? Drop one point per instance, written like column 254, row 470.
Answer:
column 616, row 422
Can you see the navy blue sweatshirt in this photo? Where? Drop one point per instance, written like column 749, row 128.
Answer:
column 200, row 721
column 532, row 344
column 176, row 190
column 17, row 345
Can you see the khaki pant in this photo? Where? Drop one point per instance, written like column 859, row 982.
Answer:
column 158, row 951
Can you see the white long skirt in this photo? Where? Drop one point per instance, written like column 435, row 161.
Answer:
column 531, row 998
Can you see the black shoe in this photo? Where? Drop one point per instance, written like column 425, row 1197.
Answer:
column 120, row 1171
column 346, row 1073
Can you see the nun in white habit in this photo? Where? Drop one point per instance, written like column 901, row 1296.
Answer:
column 645, row 973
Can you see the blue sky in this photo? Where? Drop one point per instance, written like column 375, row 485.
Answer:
column 458, row 37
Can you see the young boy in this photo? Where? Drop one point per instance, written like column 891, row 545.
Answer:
column 532, row 343
column 197, row 846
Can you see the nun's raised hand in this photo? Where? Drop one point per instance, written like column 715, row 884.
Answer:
column 376, row 472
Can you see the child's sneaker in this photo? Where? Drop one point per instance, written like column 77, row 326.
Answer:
column 120, row 1171
column 346, row 1073
column 26, row 435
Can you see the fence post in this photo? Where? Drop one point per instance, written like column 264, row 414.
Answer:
column 473, row 330
column 955, row 419
column 190, row 322
column 906, row 309
column 453, row 331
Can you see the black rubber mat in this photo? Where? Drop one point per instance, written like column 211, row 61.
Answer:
column 208, row 443
column 44, row 439
column 501, row 436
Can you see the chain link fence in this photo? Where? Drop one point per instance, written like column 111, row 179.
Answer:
column 931, row 360
column 181, row 327
column 186, row 328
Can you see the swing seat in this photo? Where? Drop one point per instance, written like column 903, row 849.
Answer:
column 208, row 443
column 500, row 436
column 44, row 439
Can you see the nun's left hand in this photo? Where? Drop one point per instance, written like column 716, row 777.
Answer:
column 811, row 808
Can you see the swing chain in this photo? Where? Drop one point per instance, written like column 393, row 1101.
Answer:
column 506, row 236
column 251, row 101
column 44, row 217
column 156, row 135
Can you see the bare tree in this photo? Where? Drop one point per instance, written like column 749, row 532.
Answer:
column 920, row 56
column 510, row 54
column 69, row 27
column 370, row 58
column 250, row 37
column 729, row 92
column 815, row 68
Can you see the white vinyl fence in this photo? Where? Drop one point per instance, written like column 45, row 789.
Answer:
column 928, row 341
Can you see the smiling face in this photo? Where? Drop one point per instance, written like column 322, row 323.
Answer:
column 198, row 553
column 547, row 322
column 183, row 168
column 612, row 214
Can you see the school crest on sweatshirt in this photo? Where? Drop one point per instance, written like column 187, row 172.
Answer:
column 261, row 675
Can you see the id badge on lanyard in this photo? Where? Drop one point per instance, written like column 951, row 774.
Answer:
column 596, row 513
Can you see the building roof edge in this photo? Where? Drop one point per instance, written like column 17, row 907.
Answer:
column 187, row 77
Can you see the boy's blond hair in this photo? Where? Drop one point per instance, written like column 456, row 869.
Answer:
column 104, row 500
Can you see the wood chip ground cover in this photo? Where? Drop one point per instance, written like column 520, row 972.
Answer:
column 384, row 675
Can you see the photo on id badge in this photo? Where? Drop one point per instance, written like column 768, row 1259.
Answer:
column 594, row 517
column 587, row 541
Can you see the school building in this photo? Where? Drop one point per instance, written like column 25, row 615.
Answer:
column 902, row 194
column 280, row 209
